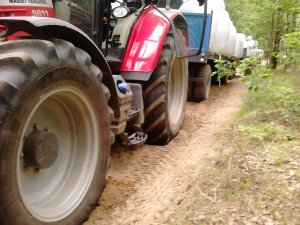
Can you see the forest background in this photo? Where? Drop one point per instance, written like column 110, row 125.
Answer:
column 274, row 24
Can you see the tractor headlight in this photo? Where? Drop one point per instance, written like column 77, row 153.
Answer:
column 121, row 12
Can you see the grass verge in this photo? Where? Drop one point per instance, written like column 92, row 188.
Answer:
column 258, row 181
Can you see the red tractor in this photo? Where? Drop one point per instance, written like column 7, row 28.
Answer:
column 75, row 77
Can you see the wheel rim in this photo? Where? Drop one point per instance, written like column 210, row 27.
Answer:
column 52, row 194
column 177, row 91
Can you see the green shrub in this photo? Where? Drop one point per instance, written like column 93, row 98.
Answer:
column 248, row 66
column 274, row 92
column 224, row 68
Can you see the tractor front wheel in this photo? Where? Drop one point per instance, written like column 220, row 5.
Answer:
column 165, row 96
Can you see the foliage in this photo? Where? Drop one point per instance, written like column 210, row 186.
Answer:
column 292, row 41
column 259, row 132
column 248, row 66
column 267, row 21
column 290, row 48
column 271, row 94
column 253, row 73
column 224, row 68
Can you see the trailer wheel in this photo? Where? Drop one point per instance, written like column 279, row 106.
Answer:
column 231, row 77
column 224, row 80
column 199, row 90
column 165, row 96
column 54, row 133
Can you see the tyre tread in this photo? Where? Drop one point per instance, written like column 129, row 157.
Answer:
column 155, row 96
column 22, row 61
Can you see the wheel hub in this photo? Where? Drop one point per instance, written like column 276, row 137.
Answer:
column 40, row 149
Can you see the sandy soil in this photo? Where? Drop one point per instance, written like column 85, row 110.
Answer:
column 145, row 185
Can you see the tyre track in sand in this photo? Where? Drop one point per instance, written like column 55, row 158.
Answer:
column 144, row 185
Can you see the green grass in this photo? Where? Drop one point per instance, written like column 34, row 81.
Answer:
column 274, row 98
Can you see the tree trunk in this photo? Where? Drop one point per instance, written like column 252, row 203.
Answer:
column 271, row 41
column 285, row 49
column 277, row 39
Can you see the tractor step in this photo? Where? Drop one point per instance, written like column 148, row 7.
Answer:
column 134, row 140
column 133, row 113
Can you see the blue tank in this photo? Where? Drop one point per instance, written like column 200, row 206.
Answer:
column 195, row 24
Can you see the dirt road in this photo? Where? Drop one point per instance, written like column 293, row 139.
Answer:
column 145, row 185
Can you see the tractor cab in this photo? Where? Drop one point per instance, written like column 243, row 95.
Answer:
column 109, row 23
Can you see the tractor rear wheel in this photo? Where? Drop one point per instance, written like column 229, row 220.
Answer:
column 199, row 90
column 165, row 96
column 54, row 133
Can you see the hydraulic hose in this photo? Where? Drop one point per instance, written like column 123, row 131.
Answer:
column 203, row 28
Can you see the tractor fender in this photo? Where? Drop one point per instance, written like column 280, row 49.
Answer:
column 146, row 40
column 46, row 28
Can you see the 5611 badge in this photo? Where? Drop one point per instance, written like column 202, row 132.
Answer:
column 37, row 8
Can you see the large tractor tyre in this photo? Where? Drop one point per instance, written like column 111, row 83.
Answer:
column 165, row 96
column 199, row 90
column 55, row 133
